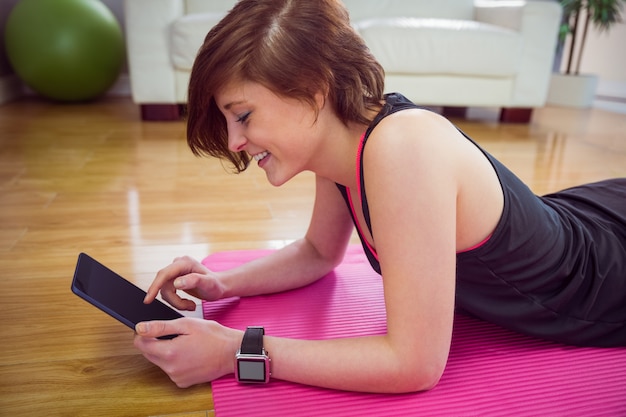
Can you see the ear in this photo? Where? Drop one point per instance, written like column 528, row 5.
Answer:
column 319, row 103
column 321, row 97
column 320, row 100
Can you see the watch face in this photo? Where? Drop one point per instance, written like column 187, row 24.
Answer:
column 251, row 370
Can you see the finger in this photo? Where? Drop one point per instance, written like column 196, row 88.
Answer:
column 180, row 266
column 163, row 277
column 178, row 302
column 169, row 294
column 151, row 349
column 159, row 328
column 199, row 286
column 189, row 283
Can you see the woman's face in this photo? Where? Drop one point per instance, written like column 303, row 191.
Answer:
column 281, row 134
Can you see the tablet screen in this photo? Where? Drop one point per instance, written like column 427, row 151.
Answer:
column 116, row 296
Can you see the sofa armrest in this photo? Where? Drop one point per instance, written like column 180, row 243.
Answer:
column 538, row 22
column 148, row 47
column 507, row 14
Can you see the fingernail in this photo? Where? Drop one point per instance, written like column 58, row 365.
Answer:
column 142, row 327
column 179, row 283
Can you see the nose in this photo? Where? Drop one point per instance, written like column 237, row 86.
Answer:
column 236, row 139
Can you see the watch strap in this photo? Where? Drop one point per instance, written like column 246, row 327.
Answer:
column 252, row 343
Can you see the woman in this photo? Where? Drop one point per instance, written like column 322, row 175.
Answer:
column 291, row 86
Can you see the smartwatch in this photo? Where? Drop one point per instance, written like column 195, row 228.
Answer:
column 252, row 363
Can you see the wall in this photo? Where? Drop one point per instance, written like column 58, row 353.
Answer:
column 5, row 7
column 9, row 84
column 605, row 55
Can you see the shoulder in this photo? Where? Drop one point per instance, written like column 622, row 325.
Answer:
column 412, row 150
column 411, row 136
column 415, row 125
column 423, row 153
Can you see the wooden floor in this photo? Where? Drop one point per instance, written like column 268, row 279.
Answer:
column 94, row 178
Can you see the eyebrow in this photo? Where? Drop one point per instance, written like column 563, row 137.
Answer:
column 229, row 105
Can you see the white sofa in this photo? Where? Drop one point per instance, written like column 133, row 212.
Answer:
column 448, row 53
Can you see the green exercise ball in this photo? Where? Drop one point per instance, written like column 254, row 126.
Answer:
column 67, row 50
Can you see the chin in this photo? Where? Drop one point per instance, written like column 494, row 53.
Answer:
column 277, row 180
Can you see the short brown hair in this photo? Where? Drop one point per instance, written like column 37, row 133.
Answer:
column 296, row 48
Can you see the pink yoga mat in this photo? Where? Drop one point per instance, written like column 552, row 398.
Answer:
column 490, row 371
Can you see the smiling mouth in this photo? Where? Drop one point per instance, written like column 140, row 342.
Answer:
column 258, row 157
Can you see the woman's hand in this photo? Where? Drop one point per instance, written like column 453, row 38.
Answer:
column 188, row 275
column 203, row 351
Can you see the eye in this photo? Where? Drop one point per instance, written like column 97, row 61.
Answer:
column 243, row 118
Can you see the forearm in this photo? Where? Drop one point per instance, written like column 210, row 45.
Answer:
column 293, row 266
column 365, row 364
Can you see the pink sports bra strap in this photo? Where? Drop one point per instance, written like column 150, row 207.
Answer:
column 358, row 189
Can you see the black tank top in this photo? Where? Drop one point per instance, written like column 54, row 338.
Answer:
column 554, row 267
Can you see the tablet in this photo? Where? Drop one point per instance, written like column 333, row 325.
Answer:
column 121, row 299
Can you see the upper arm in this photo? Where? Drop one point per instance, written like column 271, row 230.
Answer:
column 411, row 185
column 331, row 224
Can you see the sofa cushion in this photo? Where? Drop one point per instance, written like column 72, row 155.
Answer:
column 442, row 46
column 402, row 45
column 187, row 34
column 441, row 9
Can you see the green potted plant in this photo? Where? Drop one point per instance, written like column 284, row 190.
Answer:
column 570, row 87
